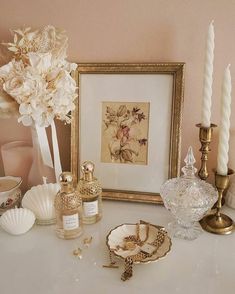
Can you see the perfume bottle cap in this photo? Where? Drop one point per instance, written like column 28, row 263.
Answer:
column 66, row 179
column 88, row 168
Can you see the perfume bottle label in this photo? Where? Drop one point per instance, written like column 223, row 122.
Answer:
column 70, row 222
column 90, row 208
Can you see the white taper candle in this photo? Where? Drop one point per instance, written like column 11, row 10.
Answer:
column 222, row 159
column 208, row 78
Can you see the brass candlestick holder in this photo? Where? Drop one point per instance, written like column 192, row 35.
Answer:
column 219, row 223
column 205, row 136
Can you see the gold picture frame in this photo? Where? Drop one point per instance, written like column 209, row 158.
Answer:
column 94, row 80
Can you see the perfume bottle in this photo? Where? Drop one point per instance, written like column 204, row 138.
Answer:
column 90, row 191
column 68, row 207
column 188, row 198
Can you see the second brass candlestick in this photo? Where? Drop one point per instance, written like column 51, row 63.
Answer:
column 219, row 223
column 205, row 136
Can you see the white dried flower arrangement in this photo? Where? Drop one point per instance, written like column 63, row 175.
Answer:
column 37, row 79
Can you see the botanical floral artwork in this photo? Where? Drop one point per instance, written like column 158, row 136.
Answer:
column 124, row 136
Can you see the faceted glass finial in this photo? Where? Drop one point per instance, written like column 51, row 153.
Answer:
column 190, row 159
column 189, row 170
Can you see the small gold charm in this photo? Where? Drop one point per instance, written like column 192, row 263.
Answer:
column 87, row 241
column 130, row 245
column 110, row 266
column 78, row 253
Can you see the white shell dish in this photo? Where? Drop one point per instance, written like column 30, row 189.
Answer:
column 17, row 221
column 115, row 241
column 40, row 200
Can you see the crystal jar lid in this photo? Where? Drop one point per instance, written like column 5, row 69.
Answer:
column 188, row 190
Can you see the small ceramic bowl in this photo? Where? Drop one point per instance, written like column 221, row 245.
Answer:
column 10, row 194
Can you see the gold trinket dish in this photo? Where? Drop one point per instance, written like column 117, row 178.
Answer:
column 134, row 240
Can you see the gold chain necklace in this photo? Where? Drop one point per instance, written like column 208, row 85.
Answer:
column 129, row 260
column 130, row 243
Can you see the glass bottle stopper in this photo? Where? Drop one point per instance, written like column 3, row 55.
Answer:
column 189, row 170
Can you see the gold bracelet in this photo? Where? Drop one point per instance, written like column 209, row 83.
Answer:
column 128, row 268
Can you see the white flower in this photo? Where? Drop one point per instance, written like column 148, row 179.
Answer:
column 40, row 61
column 6, row 70
column 25, row 108
column 65, row 81
column 38, row 77
column 18, row 88
column 26, row 120
column 43, row 119
column 36, row 82
column 52, row 74
column 62, row 103
column 36, row 112
column 70, row 66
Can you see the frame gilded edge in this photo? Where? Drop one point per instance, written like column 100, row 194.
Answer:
column 176, row 69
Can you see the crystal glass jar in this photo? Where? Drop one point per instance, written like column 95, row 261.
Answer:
column 188, row 198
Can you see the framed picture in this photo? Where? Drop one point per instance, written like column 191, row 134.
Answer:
column 127, row 121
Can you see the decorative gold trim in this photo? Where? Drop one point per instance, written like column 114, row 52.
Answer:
column 177, row 71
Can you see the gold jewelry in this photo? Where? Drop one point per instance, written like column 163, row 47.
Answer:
column 128, row 272
column 87, row 241
column 112, row 263
column 78, row 253
column 128, row 268
column 130, row 242
column 159, row 239
column 138, row 232
column 147, row 233
column 130, row 245
column 146, row 250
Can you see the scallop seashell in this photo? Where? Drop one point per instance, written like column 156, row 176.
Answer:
column 40, row 199
column 17, row 221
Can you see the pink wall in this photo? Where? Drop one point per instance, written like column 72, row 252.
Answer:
column 135, row 31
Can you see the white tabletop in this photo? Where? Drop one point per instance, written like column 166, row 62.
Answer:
column 40, row 263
